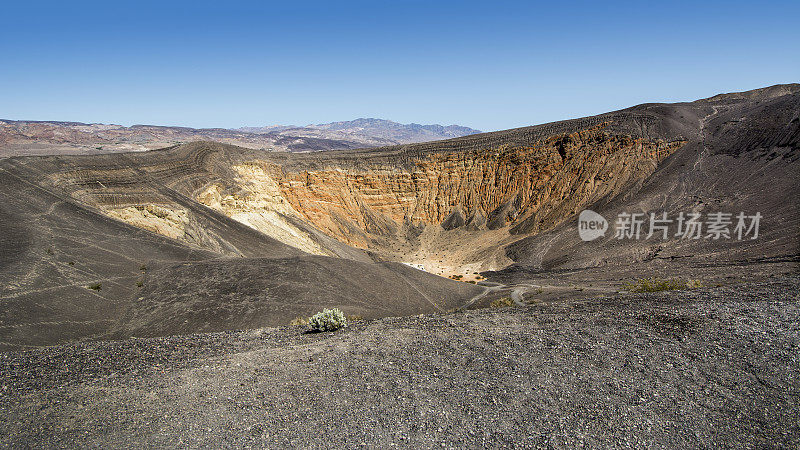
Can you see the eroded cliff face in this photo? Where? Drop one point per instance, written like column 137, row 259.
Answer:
column 426, row 211
column 498, row 186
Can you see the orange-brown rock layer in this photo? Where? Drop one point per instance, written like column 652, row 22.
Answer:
column 533, row 187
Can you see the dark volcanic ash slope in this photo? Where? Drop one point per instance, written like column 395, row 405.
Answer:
column 219, row 295
column 745, row 158
column 704, row 368
column 52, row 249
column 54, row 246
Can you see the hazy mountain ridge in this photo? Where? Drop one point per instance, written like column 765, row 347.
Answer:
column 401, row 133
column 378, row 131
column 23, row 137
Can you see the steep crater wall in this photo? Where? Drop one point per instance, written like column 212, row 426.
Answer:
column 451, row 210
column 486, row 196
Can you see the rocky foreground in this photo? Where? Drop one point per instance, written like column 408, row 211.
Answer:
column 677, row 369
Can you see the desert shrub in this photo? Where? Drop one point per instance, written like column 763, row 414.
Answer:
column 501, row 302
column 95, row 286
column 328, row 320
column 658, row 284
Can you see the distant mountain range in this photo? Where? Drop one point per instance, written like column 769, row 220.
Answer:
column 47, row 138
column 368, row 129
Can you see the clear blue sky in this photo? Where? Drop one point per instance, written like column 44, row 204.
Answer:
column 488, row 65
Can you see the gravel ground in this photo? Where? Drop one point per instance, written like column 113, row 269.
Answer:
column 678, row 369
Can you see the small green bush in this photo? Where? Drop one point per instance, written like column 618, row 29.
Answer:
column 328, row 320
column 95, row 286
column 501, row 302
